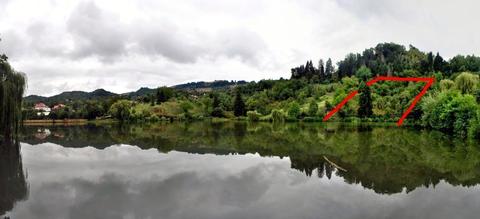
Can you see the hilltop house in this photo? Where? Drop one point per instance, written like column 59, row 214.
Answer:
column 42, row 109
column 58, row 106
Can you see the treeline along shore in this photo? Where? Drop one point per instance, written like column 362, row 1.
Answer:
column 451, row 104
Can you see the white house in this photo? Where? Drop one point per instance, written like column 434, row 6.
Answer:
column 42, row 109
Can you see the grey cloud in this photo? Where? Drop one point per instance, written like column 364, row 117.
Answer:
column 95, row 33
column 366, row 9
column 167, row 42
column 241, row 43
column 183, row 46
column 12, row 44
column 182, row 195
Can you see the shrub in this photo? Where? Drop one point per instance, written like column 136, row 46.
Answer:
column 466, row 82
column 278, row 115
column 217, row 112
column 474, row 128
column 313, row 108
column 446, row 84
column 253, row 116
column 449, row 111
column 121, row 110
column 294, row 110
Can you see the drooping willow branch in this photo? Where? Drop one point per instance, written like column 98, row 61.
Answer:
column 12, row 88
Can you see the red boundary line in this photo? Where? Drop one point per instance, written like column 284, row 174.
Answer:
column 352, row 94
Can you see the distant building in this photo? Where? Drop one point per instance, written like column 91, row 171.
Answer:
column 58, row 106
column 42, row 109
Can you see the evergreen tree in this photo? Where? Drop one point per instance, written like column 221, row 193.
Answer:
column 329, row 68
column 163, row 94
column 430, row 61
column 438, row 63
column 365, row 108
column 239, row 105
column 321, row 70
column 217, row 109
column 152, row 100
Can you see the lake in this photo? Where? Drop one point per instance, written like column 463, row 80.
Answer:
column 239, row 170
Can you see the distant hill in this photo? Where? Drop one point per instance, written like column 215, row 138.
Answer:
column 71, row 95
column 208, row 85
column 144, row 91
column 103, row 94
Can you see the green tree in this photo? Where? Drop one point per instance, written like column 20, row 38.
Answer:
column 446, row 84
column 294, row 110
column 278, row 115
column 429, row 64
column 466, row 82
column 438, row 63
column 239, row 105
column 321, row 70
column 12, row 88
column 186, row 107
column 329, row 69
column 217, row 108
column 366, row 106
column 363, row 73
column 313, row 108
column 93, row 109
column 121, row 110
column 164, row 94
column 449, row 111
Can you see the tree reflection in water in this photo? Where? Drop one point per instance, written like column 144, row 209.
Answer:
column 13, row 182
column 386, row 159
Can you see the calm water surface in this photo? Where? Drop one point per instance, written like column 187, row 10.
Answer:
column 239, row 170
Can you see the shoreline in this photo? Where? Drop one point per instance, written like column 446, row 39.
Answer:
column 33, row 122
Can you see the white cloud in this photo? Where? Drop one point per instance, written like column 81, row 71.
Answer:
column 123, row 45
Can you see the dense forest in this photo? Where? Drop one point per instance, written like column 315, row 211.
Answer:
column 451, row 104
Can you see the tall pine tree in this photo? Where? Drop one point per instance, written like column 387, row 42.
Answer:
column 366, row 105
column 321, row 70
column 239, row 105
column 365, row 108
column 329, row 68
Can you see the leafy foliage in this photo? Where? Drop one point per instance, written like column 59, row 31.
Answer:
column 12, row 87
column 450, row 111
column 466, row 82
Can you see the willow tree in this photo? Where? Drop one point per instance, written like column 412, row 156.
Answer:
column 12, row 87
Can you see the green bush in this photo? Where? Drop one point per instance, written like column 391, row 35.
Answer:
column 278, row 115
column 449, row 111
column 446, row 84
column 466, row 82
column 253, row 116
column 474, row 129
column 294, row 110
column 121, row 110
column 313, row 108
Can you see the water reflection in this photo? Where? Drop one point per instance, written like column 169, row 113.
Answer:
column 13, row 182
column 242, row 170
column 385, row 159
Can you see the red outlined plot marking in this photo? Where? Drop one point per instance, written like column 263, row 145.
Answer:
column 352, row 94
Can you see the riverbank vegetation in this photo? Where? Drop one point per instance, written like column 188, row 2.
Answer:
column 451, row 104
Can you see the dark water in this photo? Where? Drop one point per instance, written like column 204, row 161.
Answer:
column 239, row 170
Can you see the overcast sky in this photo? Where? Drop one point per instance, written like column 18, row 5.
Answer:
column 122, row 45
